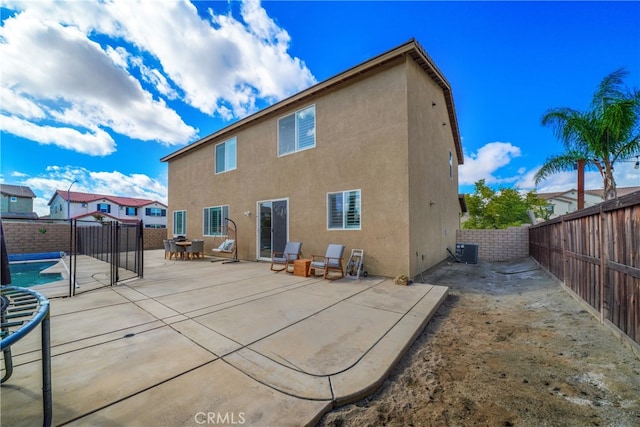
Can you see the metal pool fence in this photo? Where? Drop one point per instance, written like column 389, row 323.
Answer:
column 116, row 244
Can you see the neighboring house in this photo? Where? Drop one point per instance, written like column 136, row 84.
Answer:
column 17, row 202
column 88, row 206
column 564, row 202
column 368, row 158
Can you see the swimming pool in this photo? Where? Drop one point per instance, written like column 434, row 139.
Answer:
column 26, row 274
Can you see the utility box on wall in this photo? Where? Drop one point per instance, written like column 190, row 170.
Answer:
column 467, row 252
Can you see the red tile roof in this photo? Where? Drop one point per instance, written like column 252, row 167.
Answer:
column 105, row 216
column 78, row 197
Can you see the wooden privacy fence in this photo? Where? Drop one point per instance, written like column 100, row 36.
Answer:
column 595, row 252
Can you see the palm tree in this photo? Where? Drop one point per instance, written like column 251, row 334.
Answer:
column 608, row 132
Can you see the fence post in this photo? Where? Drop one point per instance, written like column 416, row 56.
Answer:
column 565, row 260
column 604, row 256
column 72, row 256
column 140, row 249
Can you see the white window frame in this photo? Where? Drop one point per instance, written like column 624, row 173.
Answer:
column 231, row 142
column 150, row 211
column 450, row 164
column 344, row 200
column 13, row 199
column 219, row 229
column 183, row 223
column 296, row 143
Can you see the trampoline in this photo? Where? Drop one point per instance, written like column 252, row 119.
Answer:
column 23, row 309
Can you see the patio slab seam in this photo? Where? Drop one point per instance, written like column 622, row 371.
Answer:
column 285, row 387
column 239, row 301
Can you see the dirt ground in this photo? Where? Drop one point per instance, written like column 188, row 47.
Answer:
column 509, row 347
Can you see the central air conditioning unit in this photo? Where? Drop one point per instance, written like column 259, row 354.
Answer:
column 467, row 253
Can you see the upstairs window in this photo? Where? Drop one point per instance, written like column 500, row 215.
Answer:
column 13, row 199
column 179, row 223
column 155, row 212
column 130, row 211
column 450, row 165
column 226, row 155
column 104, row 207
column 343, row 210
column 214, row 221
column 297, row 131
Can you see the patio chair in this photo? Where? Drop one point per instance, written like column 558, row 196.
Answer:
column 285, row 258
column 331, row 261
column 196, row 249
column 167, row 248
column 176, row 250
column 226, row 247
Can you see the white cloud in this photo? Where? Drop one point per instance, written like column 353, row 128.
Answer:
column 561, row 181
column 486, row 162
column 79, row 90
column 20, row 106
column 112, row 66
column 624, row 174
column 100, row 182
column 134, row 185
column 95, row 142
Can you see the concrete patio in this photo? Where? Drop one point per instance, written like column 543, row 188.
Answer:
column 200, row 342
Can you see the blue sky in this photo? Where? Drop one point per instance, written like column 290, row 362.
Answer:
column 98, row 92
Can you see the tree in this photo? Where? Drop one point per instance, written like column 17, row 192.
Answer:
column 501, row 209
column 607, row 132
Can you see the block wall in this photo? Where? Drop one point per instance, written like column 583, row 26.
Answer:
column 153, row 237
column 498, row 245
column 36, row 237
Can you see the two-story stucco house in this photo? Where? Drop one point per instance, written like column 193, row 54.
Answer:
column 368, row 159
column 89, row 206
column 564, row 202
column 17, row 202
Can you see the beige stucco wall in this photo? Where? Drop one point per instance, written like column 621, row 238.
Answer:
column 435, row 210
column 362, row 131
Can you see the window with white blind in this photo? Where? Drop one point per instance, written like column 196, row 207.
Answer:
column 226, row 155
column 213, row 220
column 179, row 223
column 297, row 131
column 450, row 164
column 343, row 210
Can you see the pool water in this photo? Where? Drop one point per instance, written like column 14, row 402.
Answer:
column 26, row 274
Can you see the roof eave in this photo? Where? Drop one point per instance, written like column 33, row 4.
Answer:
column 411, row 47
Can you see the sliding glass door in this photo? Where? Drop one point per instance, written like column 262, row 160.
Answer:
column 273, row 227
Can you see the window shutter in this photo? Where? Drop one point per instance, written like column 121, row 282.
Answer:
column 205, row 222
column 352, row 215
column 286, row 134
column 224, row 224
column 230, row 154
column 220, row 153
column 306, row 121
column 335, row 210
